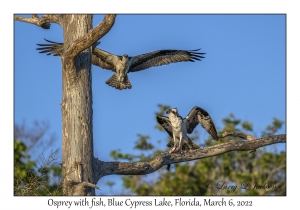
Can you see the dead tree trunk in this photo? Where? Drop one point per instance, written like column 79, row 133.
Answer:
column 77, row 113
column 76, row 105
column 81, row 171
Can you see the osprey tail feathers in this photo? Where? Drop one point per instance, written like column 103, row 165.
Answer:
column 193, row 145
column 186, row 145
column 114, row 82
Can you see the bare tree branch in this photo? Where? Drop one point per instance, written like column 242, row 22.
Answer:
column 43, row 22
column 238, row 134
column 91, row 37
column 57, row 49
column 274, row 171
column 78, row 188
column 140, row 168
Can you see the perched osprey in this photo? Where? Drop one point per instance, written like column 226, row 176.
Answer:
column 178, row 128
column 122, row 65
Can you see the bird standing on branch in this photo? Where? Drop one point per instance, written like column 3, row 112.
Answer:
column 178, row 128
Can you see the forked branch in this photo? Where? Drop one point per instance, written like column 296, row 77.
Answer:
column 91, row 37
column 141, row 168
column 43, row 22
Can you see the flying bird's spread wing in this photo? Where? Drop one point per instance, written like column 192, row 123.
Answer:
column 163, row 57
column 108, row 58
column 55, row 48
column 199, row 115
column 100, row 58
column 121, row 65
column 165, row 123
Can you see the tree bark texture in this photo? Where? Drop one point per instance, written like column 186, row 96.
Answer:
column 81, row 171
column 77, row 134
column 77, row 113
column 141, row 168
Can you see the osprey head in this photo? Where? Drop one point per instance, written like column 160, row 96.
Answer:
column 125, row 56
column 123, row 61
column 174, row 111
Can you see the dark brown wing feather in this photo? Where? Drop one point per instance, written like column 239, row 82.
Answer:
column 163, row 57
column 55, row 48
column 99, row 62
column 199, row 116
column 165, row 123
column 102, row 57
column 99, row 57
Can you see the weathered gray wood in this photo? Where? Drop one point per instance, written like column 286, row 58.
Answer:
column 238, row 134
column 43, row 22
column 77, row 113
column 77, row 120
column 81, row 171
column 141, row 168
column 91, row 36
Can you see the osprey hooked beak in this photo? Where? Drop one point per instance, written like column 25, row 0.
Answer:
column 125, row 56
column 174, row 110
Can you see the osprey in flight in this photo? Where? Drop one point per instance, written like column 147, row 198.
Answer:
column 122, row 65
column 178, row 128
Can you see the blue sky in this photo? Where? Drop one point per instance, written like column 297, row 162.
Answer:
column 243, row 72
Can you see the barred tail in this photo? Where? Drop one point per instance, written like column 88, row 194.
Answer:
column 114, row 82
column 186, row 145
column 192, row 145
